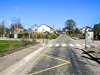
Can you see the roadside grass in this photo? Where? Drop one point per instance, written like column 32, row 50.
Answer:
column 5, row 45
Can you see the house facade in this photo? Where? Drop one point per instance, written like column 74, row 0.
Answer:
column 45, row 28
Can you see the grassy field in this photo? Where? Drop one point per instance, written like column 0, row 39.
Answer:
column 8, row 44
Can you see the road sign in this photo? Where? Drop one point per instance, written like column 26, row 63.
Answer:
column 86, row 29
column 30, row 30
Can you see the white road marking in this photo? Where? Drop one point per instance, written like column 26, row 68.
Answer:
column 71, row 44
column 78, row 44
column 84, row 44
column 50, row 45
column 95, row 44
column 56, row 45
column 87, row 45
column 43, row 44
column 63, row 45
column 19, row 65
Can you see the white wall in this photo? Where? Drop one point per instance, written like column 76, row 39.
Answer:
column 44, row 28
column 90, row 36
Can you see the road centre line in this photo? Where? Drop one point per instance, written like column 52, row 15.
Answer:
column 50, row 68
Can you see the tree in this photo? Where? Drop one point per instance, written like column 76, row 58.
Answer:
column 35, row 27
column 16, row 23
column 96, row 27
column 77, row 31
column 2, row 28
column 12, row 28
column 70, row 24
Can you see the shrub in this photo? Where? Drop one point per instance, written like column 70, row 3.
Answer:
column 52, row 36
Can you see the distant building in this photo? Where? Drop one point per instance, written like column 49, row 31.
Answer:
column 18, row 30
column 44, row 28
column 83, row 29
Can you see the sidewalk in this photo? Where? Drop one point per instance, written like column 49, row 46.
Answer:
column 9, row 60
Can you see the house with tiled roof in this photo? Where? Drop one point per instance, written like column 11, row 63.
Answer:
column 18, row 30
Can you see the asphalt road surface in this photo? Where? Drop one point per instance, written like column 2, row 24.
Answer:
column 61, row 59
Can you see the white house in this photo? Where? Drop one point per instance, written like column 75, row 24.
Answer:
column 83, row 29
column 44, row 28
column 90, row 32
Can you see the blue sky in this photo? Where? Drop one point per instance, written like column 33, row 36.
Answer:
column 51, row 12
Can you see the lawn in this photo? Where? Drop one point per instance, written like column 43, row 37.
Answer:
column 8, row 44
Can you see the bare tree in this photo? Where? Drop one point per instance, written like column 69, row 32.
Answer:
column 16, row 23
column 2, row 28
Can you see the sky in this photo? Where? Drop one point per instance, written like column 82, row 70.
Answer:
column 51, row 12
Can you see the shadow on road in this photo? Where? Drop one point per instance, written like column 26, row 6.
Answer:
column 91, row 57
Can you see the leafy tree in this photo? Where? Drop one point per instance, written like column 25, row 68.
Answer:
column 77, row 31
column 70, row 24
column 97, row 27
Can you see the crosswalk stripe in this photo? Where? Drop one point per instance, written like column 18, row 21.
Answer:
column 63, row 45
column 71, row 44
column 56, row 45
column 43, row 44
column 78, row 44
column 50, row 45
column 95, row 44
column 84, row 44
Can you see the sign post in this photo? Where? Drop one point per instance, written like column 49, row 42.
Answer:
column 29, row 30
column 86, row 37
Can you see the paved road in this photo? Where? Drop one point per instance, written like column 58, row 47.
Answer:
column 61, row 59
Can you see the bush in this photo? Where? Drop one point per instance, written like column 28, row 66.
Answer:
column 37, row 35
column 24, row 42
column 70, row 35
column 52, row 36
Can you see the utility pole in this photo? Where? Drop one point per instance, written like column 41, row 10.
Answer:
column 86, row 37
